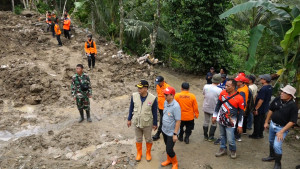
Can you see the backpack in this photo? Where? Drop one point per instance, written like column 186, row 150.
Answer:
column 250, row 103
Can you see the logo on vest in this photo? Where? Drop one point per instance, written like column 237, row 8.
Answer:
column 149, row 103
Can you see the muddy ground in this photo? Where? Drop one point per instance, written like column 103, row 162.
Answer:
column 38, row 124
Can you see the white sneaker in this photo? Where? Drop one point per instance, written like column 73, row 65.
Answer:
column 239, row 139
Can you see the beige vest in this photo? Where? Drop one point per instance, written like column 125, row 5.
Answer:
column 142, row 113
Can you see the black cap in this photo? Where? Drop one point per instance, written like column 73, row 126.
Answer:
column 159, row 79
column 252, row 77
column 185, row 85
column 89, row 35
column 143, row 83
column 212, row 68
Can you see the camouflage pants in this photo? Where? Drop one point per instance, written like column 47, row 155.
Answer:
column 83, row 103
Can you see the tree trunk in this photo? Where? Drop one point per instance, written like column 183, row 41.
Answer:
column 64, row 8
column 24, row 3
column 13, row 6
column 153, row 36
column 93, row 21
column 121, row 23
column 27, row 4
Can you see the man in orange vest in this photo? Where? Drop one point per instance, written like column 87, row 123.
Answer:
column 66, row 26
column 161, row 85
column 244, row 92
column 91, row 51
column 48, row 20
column 189, row 111
column 57, row 32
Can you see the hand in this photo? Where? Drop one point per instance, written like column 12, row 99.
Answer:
column 154, row 128
column 175, row 138
column 279, row 136
column 266, row 126
column 255, row 113
column 213, row 120
column 196, row 116
column 240, row 130
column 128, row 123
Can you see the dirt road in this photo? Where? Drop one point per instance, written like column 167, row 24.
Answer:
column 38, row 124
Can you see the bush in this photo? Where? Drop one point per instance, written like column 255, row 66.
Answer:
column 43, row 7
column 18, row 9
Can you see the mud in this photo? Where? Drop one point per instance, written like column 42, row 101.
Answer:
column 38, row 124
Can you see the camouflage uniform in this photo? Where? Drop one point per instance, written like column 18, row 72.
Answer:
column 82, row 98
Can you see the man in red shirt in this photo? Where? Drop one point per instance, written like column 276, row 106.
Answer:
column 229, row 110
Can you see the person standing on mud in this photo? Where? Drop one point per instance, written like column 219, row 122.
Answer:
column 283, row 114
column 171, row 126
column 91, row 51
column 229, row 110
column 211, row 94
column 48, row 21
column 161, row 85
column 189, row 111
column 262, row 101
column 53, row 20
column 66, row 27
column 81, row 91
column 57, row 32
column 143, row 115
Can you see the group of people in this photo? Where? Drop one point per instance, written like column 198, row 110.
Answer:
column 231, row 104
column 53, row 24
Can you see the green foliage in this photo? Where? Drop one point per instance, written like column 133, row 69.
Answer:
column 43, row 7
column 291, row 34
column 18, row 9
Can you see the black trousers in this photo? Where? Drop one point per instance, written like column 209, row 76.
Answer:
column 58, row 39
column 91, row 60
column 259, row 121
column 160, row 120
column 52, row 30
column 66, row 33
column 189, row 126
column 169, row 145
column 245, row 123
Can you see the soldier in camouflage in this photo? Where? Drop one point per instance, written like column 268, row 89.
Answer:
column 80, row 83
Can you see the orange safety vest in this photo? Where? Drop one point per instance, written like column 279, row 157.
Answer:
column 48, row 19
column 160, row 95
column 90, row 47
column 245, row 90
column 188, row 105
column 67, row 24
column 57, row 29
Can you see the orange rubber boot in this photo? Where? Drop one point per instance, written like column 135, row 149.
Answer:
column 148, row 152
column 139, row 151
column 174, row 162
column 167, row 162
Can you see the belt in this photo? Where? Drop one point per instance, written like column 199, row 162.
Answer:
column 276, row 124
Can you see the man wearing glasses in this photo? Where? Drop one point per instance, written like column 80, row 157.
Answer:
column 170, row 126
column 143, row 114
column 283, row 114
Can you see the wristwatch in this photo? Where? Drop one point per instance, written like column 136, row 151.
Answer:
column 175, row 134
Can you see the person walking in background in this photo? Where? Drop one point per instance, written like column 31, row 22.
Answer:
column 81, row 91
column 91, row 51
column 261, row 106
column 57, row 32
column 161, row 85
column 223, row 82
column 210, row 74
column 143, row 114
column 283, row 114
column 66, row 27
column 243, row 90
column 253, row 89
column 189, row 111
column 229, row 110
column 171, row 126
column 53, row 21
column 48, row 21
column 211, row 94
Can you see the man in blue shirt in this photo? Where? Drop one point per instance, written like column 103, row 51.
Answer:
column 262, row 101
column 143, row 114
column 209, row 75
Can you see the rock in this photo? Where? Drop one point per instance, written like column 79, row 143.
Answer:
column 33, row 100
column 36, row 88
column 27, row 13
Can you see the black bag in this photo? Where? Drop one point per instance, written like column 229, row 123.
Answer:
column 84, row 87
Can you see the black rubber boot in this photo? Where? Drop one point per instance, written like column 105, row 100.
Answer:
column 187, row 139
column 180, row 138
column 212, row 133
column 277, row 161
column 205, row 130
column 88, row 116
column 156, row 136
column 81, row 116
column 271, row 157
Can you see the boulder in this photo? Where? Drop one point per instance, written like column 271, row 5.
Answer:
column 33, row 100
column 36, row 88
column 27, row 13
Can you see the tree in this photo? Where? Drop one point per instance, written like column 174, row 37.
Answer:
column 199, row 34
column 13, row 6
column 153, row 36
column 121, row 24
